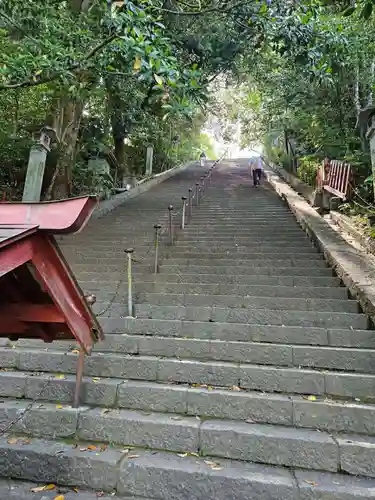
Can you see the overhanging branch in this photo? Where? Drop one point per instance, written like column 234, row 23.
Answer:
column 53, row 76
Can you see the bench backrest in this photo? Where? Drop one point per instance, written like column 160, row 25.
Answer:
column 335, row 177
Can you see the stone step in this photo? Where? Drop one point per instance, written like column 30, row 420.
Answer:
column 238, row 302
column 151, row 368
column 307, row 270
column 229, row 260
column 253, row 316
column 243, row 291
column 246, row 441
column 205, row 401
column 241, row 253
column 236, row 273
column 233, row 261
column 262, row 353
column 106, row 284
column 23, row 490
column 345, row 337
column 151, row 475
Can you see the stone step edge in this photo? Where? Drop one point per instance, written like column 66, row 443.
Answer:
column 309, row 412
column 155, row 358
column 257, row 377
column 330, row 337
column 206, row 350
column 145, row 476
column 257, row 443
column 11, row 489
column 279, row 355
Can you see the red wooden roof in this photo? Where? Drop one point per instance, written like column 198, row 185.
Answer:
column 57, row 217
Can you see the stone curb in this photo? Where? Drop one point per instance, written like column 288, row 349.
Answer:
column 350, row 264
column 301, row 187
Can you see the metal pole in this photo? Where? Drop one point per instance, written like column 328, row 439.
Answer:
column 79, row 375
column 197, row 194
column 170, row 223
column 202, row 184
column 190, row 203
column 129, row 252
column 157, row 228
column 183, row 212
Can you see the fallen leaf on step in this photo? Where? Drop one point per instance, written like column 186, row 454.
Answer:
column 100, row 494
column 83, row 449
column 91, row 447
column 103, row 447
column 126, row 451
column 182, row 455
column 249, row 421
column 313, row 483
column 216, row 468
column 76, row 490
column 96, row 379
column 12, row 441
column 193, row 454
column 75, row 351
column 59, row 407
column 213, row 464
column 176, row 418
column 59, row 497
column 60, row 376
column 235, row 388
column 133, row 456
column 24, row 441
column 105, row 411
column 310, row 398
column 46, row 487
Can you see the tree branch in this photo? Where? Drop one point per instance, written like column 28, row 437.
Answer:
column 202, row 12
column 54, row 76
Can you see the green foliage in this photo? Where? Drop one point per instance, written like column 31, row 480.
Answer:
column 307, row 169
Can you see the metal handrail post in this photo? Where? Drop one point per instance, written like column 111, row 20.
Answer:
column 190, row 203
column 196, row 194
column 170, row 224
column 157, row 228
column 183, row 198
column 129, row 253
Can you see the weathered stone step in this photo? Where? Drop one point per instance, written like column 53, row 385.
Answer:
column 243, row 291
column 151, row 368
column 345, row 337
column 148, row 476
column 229, row 260
column 22, row 490
column 205, row 401
column 254, row 302
column 261, row 443
column 236, row 273
column 262, row 353
column 306, row 270
column 209, row 279
column 193, row 252
column 257, row 316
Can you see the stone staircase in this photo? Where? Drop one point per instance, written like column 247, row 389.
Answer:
column 246, row 373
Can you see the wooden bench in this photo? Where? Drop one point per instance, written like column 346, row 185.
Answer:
column 336, row 177
column 334, row 180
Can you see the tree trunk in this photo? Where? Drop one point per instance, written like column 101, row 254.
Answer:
column 67, row 122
